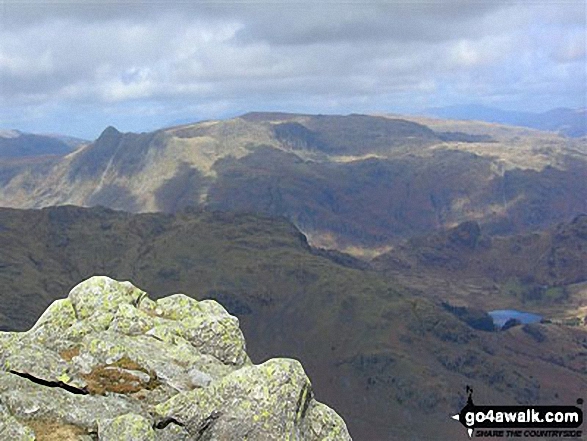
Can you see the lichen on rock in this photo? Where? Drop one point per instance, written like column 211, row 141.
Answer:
column 129, row 427
column 12, row 429
column 113, row 364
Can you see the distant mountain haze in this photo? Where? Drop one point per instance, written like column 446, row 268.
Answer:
column 569, row 122
column 15, row 144
column 354, row 182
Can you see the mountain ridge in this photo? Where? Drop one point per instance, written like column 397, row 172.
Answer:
column 15, row 144
column 570, row 122
column 347, row 181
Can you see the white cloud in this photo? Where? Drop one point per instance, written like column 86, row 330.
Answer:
column 311, row 57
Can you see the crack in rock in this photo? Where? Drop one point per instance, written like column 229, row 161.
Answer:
column 48, row 383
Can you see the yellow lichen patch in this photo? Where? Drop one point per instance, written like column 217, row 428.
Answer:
column 54, row 431
column 127, row 427
column 115, row 377
column 68, row 354
column 153, row 312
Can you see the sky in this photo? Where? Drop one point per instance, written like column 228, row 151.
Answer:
column 76, row 67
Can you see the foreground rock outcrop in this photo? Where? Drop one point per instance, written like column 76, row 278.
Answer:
column 109, row 363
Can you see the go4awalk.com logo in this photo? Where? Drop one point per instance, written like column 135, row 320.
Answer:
column 521, row 421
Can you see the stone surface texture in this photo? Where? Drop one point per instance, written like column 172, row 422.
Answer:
column 109, row 363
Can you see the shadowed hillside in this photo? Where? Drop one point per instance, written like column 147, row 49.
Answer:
column 15, row 144
column 553, row 257
column 542, row 272
column 391, row 361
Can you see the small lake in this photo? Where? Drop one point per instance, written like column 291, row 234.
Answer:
column 501, row 316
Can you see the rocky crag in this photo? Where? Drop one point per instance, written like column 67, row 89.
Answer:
column 109, row 363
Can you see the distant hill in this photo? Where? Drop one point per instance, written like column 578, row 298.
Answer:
column 15, row 144
column 356, row 182
column 71, row 141
column 393, row 360
column 569, row 122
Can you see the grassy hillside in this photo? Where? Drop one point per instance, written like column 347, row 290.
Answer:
column 392, row 361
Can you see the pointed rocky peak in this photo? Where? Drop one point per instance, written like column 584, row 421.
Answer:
column 110, row 133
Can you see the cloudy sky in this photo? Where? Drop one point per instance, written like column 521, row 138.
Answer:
column 75, row 67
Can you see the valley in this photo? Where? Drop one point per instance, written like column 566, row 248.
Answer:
column 380, row 348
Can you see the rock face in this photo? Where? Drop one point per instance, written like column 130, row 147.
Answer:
column 108, row 363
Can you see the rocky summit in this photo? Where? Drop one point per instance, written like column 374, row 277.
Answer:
column 109, row 363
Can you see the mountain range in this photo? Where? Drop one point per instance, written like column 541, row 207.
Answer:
column 15, row 144
column 569, row 122
column 356, row 183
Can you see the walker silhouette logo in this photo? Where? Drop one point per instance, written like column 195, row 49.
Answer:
column 520, row 421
